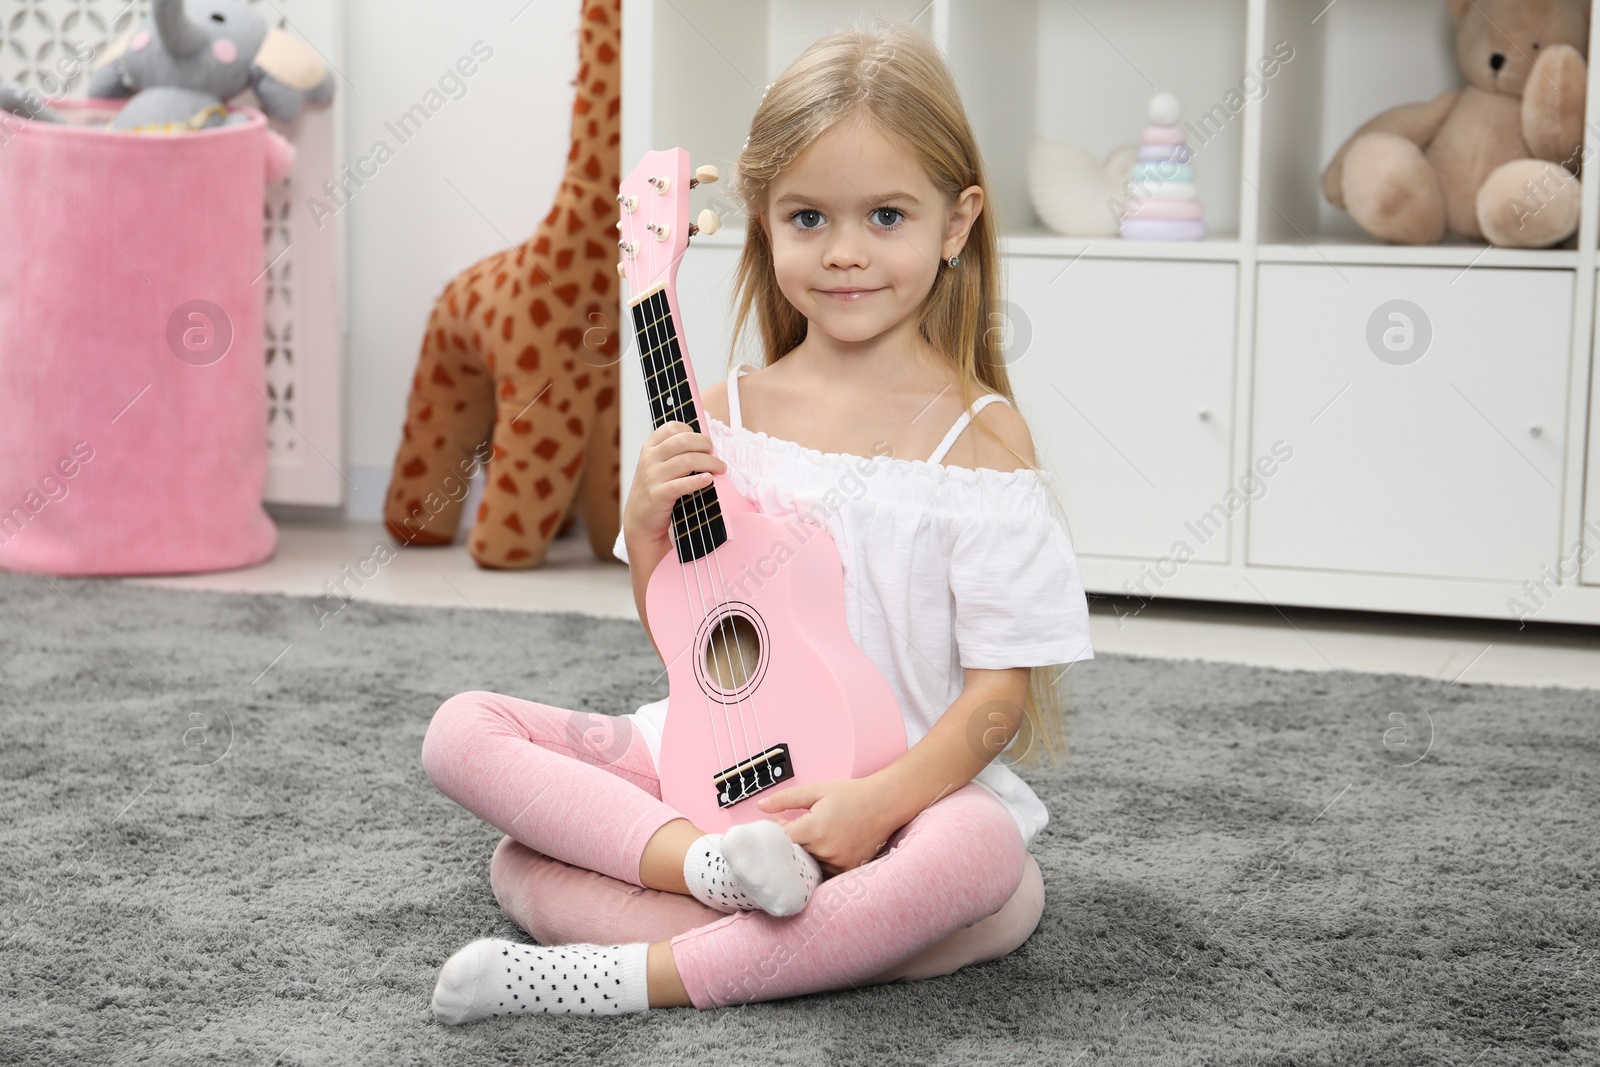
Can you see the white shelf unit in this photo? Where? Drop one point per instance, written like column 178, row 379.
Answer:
column 1158, row 376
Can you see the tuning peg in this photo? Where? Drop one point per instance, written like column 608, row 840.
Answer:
column 629, row 204
column 621, row 272
column 661, row 185
column 708, row 221
column 706, row 174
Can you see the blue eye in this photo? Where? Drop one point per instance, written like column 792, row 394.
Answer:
column 877, row 214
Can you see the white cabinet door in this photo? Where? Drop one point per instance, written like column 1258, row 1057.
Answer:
column 1586, row 551
column 1124, row 369
column 1424, row 407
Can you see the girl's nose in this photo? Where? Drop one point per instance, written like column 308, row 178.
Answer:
column 847, row 248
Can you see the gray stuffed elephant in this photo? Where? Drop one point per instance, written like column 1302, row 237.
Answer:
column 181, row 68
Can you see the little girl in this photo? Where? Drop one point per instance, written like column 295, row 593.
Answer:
column 872, row 268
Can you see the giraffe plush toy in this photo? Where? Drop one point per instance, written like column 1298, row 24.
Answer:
column 518, row 365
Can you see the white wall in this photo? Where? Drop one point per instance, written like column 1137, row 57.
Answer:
column 502, row 144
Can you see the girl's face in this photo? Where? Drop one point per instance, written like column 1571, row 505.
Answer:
column 854, row 212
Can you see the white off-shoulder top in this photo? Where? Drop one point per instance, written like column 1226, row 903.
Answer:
column 944, row 568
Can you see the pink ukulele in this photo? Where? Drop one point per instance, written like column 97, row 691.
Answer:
column 766, row 687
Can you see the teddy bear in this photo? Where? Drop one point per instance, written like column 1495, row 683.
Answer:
column 1495, row 161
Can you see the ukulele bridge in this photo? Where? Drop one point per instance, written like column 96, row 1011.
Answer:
column 754, row 775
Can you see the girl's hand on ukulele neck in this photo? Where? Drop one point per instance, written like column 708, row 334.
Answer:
column 674, row 460
column 844, row 825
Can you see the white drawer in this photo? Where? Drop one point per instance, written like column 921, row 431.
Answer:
column 1443, row 458
column 1125, row 371
column 1573, row 554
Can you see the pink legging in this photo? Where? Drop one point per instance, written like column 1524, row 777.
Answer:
column 548, row 778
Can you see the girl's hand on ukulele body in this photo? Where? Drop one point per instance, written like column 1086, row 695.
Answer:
column 674, row 460
column 845, row 825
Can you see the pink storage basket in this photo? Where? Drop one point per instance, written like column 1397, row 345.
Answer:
column 132, row 380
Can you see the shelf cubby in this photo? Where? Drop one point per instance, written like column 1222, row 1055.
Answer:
column 1351, row 60
column 1100, row 61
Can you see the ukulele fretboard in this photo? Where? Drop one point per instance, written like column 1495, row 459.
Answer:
column 696, row 516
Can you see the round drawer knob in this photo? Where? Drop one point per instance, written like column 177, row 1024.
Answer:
column 1205, row 415
column 1536, row 430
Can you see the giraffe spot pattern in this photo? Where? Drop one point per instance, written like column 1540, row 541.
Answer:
column 477, row 340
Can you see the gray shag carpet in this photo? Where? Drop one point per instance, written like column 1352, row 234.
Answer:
column 1243, row 866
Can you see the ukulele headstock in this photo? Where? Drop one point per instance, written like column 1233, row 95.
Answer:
column 653, row 231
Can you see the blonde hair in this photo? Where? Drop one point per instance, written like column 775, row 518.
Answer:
column 892, row 78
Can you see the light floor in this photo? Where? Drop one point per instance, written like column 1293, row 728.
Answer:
column 313, row 552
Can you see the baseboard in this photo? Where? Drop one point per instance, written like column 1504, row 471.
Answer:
column 364, row 501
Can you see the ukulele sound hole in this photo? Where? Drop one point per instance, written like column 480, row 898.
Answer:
column 733, row 652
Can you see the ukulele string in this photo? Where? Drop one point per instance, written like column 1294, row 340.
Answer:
column 744, row 668
column 701, row 541
column 722, row 626
column 722, row 629
column 655, row 330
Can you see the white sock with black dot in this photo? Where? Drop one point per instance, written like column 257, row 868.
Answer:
column 753, row 866
column 492, row 977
